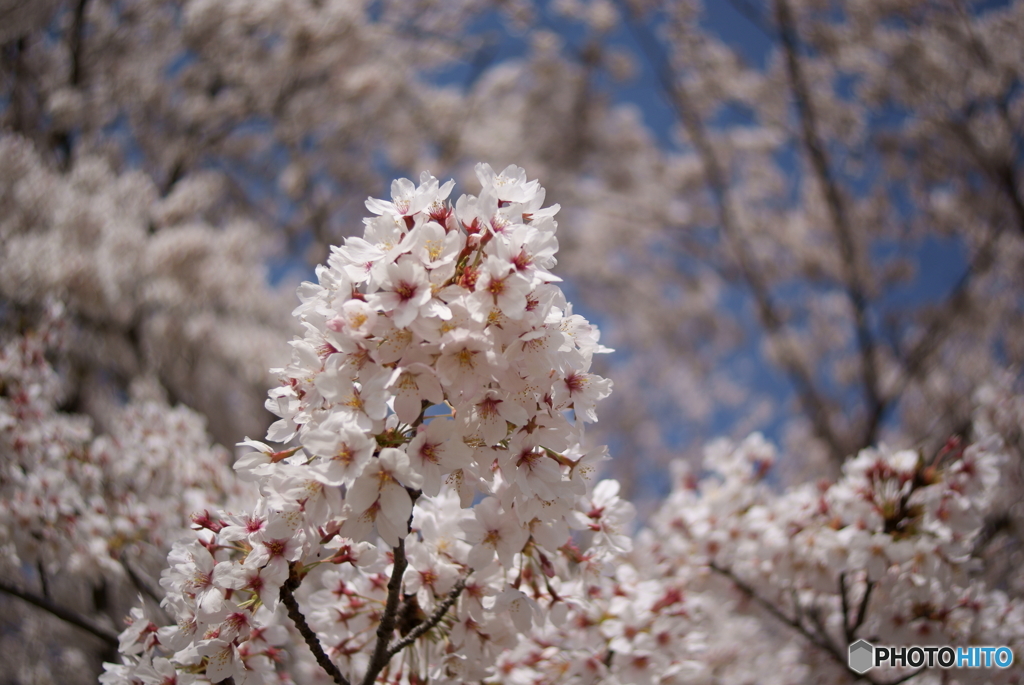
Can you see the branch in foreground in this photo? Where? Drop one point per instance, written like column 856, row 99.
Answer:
column 439, row 614
column 381, row 654
column 288, row 597
column 63, row 613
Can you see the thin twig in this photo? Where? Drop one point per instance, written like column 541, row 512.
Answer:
column 862, row 610
column 44, row 584
column 814, row 613
column 847, row 630
column 288, row 597
column 776, row 612
column 63, row 613
column 820, row 641
column 439, row 614
column 798, row 612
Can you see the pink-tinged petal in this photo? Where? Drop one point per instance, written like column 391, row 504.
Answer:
column 407, row 405
column 481, row 556
column 395, row 503
column 391, row 532
column 221, row 661
column 364, row 491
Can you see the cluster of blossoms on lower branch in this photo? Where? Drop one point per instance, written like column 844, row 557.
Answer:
column 75, row 503
column 736, row 582
column 431, row 497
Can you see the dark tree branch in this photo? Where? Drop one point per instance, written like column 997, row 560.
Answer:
column 813, row 402
column 820, row 641
column 74, row 618
column 994, row 524
column 62, row 138
column 142, row 584
column 381, row 653
column 20, row 116
column 423, row 627
column 839, row 215
column 44, row 584
column 77, row 40
column 914, row 361
column 844, row 603
column 295, row 614
column 862, row 610
column 1003, row 174
column 814, row 615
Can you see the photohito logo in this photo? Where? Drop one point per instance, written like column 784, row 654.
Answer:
column 864, row 656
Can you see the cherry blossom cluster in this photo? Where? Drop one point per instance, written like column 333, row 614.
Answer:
column 154, row 290
column 886, row 552
column 155, row 151
column 434, row 475
column 75, row 503
column 737, row 582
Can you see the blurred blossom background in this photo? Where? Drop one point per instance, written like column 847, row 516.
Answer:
column 800, row 217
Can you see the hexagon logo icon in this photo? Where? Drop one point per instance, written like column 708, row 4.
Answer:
column 862, row 656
